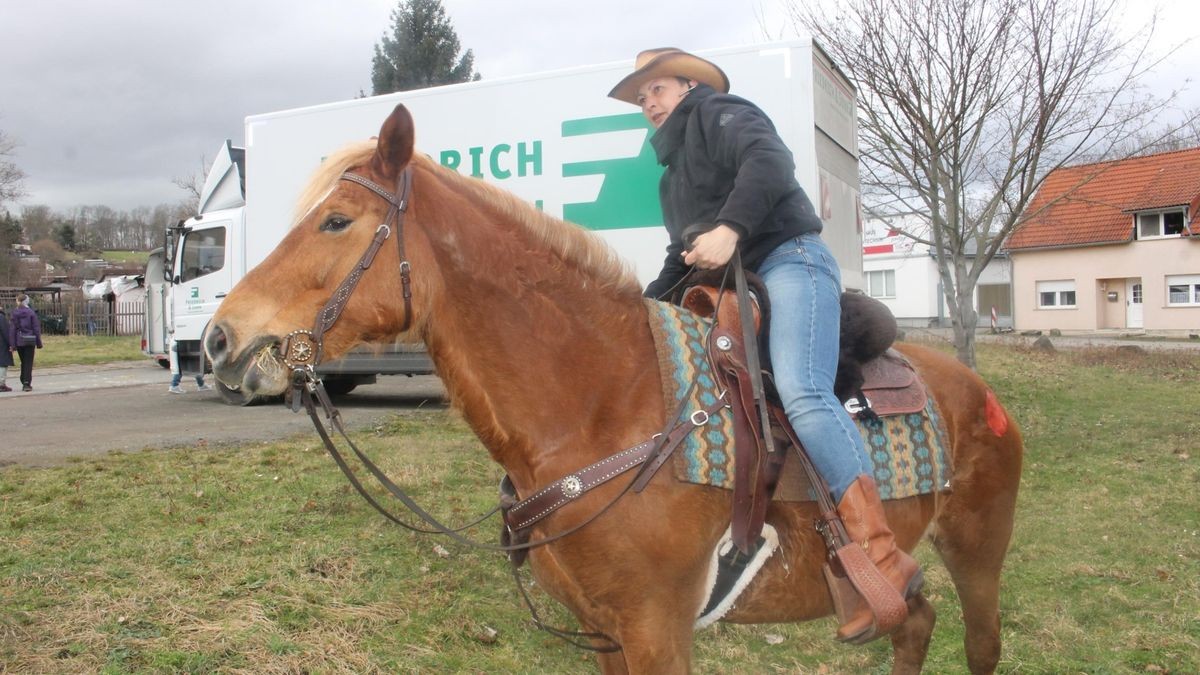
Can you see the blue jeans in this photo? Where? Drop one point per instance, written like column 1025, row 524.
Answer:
column 176, row 378
column 176, row 371
column 804, row 286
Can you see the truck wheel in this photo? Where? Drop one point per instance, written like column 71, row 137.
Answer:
column 236, row 396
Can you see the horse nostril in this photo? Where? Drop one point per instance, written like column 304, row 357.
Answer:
column 217, row 343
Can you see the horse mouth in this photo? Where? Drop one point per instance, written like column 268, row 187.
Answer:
column 258, row 370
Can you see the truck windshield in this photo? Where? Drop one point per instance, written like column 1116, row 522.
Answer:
column 203, row 253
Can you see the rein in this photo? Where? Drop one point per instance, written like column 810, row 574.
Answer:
column 302, row 350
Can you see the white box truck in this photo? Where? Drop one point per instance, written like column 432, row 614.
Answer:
column 553, row 138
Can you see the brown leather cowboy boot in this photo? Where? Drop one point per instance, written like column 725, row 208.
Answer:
column 862, row 514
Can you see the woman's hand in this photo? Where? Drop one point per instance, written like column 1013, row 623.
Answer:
column 713, row 248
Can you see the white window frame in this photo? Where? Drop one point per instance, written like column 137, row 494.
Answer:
column 886, row 277
column 1058, row 290
column 1191, row 282
column 1160, row 226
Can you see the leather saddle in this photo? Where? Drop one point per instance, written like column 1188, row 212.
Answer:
column 868, row 368
column 872, row 380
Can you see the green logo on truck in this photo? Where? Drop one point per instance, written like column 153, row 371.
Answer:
column 628, row 194
column 500, row 160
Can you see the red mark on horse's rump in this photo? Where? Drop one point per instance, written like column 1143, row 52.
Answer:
column 997, row 420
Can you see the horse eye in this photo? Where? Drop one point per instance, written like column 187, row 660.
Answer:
column 335, row 224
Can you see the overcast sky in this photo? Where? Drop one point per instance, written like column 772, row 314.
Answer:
column 111, row 100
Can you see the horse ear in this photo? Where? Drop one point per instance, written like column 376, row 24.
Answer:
column 395, row 146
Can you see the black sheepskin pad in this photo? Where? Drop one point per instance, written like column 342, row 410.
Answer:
column 868, row 329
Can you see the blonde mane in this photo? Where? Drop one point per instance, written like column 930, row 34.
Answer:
column 571, row 242
column 325, row 178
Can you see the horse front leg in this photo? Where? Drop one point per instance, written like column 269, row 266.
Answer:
column 650, row 644
column 612, row 664
column 648, row 618
column 910, row 642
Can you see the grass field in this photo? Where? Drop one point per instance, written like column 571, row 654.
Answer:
column 261, row 559
column 62, row 350
column 126, row 257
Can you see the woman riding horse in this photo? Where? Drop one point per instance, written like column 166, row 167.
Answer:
column 726, row 166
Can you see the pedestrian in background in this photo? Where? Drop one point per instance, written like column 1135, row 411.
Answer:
column 6, row 351
column 25, row 336
column 177, row 373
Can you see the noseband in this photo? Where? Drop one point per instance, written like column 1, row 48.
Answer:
column 302, row 349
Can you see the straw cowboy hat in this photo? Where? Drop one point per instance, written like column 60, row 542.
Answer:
column 668, row 62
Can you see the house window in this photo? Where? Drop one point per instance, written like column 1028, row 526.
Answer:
column 1056, row 294
column 1160, row 224
column 881, row 283
column 1183, row 290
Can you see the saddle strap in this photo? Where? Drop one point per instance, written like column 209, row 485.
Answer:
column 756, row 466
column 753, row 363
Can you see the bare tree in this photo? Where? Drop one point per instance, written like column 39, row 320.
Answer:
column 11, row 177
column 193, row 185
column 1169, row 138
column 965, row 107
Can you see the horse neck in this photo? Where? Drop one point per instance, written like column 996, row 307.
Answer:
column 540, row 355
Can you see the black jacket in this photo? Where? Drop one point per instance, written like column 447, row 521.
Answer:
column 726, row 164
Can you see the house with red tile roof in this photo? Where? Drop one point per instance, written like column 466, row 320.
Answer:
column 1112, row 245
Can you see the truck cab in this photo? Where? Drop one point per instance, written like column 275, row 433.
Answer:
column 198, row 262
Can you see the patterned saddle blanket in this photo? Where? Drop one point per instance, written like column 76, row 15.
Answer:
column 908, row 449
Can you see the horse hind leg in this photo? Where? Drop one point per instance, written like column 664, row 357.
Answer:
column 972, row 544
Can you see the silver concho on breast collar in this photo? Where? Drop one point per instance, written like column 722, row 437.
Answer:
column 572, row 487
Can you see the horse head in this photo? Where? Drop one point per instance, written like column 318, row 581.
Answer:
column 338, row 220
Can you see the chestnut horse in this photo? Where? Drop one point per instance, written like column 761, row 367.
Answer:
column 540, row 335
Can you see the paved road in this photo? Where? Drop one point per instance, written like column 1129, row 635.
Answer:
column 1077, row 340
column 87, row 410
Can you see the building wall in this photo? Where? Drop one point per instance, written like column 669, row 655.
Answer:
column 917, row 300
column 998, row 271
column 916, row 285
column 1097, row 270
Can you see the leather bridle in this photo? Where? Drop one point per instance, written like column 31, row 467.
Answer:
column 302, row 350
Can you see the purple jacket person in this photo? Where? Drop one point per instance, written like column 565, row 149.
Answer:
column 24, row 336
